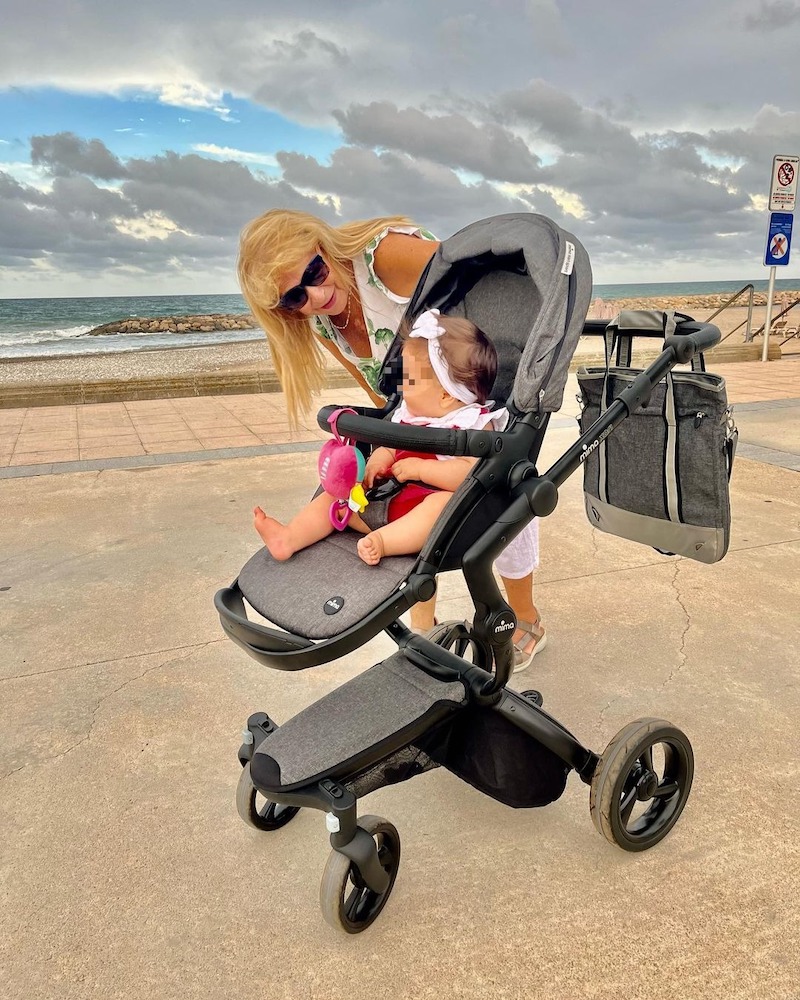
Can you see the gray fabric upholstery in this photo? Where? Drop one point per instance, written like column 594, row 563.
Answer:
column 293, row 594
column 377, row 707
column 512, row 275
column 662, row 477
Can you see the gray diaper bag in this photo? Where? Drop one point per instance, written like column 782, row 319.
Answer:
column 661, row 478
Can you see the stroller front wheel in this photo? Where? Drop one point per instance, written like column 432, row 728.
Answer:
column 347, row 903
column 256, row 809
column 641, row 784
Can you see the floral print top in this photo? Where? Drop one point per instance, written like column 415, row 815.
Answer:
column 383, row 310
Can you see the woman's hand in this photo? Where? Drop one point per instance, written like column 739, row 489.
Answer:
column 379, row 465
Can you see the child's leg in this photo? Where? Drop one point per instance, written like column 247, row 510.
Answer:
column 406, row 535
column 310, row 525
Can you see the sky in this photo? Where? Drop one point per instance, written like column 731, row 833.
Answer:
column 136, row 140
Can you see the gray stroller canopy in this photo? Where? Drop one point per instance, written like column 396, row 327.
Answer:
column 527, row 284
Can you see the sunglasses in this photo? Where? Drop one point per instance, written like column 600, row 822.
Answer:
column 315, row 274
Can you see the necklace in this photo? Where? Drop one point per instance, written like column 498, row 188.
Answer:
column 347, row 317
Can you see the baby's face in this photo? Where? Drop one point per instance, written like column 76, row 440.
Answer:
column 422, row 392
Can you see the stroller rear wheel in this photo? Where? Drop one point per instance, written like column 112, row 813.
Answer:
column 641, row 784
column 348, row 904
column 256, row 809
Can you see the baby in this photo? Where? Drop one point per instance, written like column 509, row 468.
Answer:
column 449, row 368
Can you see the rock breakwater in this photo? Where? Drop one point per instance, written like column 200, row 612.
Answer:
column 685, row 303
column 175, row 324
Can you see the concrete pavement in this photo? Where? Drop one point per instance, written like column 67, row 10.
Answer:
column 126, row 871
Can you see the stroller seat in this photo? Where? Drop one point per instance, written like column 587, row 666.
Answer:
column 321, row 590
column 372, row 716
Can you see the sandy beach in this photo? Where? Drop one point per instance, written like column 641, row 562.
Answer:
column 251, row 361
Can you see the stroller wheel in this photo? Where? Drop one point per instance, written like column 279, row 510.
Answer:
column 256, row 809
column 641, row 784
column 347, row 903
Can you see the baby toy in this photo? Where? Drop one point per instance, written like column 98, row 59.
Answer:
column 341, row 473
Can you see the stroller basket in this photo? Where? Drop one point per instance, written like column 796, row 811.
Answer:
column 442, row 699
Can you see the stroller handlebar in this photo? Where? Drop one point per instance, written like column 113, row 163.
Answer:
column 436, row 441
column 694, row 338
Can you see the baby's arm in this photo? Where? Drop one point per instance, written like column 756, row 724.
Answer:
column 378, row 465
column 447, row 475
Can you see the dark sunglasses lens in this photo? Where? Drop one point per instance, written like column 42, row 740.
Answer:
column 316, row 272
column 294, row 299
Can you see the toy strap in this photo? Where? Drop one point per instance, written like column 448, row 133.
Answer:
column 332, row 419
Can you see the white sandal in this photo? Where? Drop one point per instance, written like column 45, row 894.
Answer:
column 530, row 630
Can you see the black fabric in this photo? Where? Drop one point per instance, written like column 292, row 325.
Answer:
column 265, row 772
column 482, row 748
column 401, row 766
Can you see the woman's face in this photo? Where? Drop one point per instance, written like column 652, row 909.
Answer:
column 327, row 299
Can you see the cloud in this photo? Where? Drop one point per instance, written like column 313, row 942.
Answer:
column 170, row 214
column 777, row 15
column 366, row 183
column 241, row 155
column 649, row 134
column 452, row 140
column 195, row 96
column 65, row 153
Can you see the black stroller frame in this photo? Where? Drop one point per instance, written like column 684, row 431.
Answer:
column 364, row 861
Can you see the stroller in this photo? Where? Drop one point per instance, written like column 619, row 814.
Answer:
column 442, row 699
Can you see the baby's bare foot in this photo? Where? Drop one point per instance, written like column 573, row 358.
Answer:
column 370, row 548
column 273, row 534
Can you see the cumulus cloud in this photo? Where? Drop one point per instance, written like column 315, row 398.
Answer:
column 453, row 140
column 195, row 96
column 773, row 16
column 66, row 153
column 649, row 134
column 310, row 58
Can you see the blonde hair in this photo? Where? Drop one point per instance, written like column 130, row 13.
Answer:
column 269, row 247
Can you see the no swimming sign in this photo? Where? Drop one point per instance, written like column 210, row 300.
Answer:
column 779, row 239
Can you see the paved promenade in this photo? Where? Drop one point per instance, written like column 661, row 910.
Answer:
column 70, row 438
column 125, row 870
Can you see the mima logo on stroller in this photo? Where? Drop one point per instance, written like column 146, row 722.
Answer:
column 589, row 448
column 504, row 624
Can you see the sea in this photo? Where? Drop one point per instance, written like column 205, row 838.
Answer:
column 57, row 327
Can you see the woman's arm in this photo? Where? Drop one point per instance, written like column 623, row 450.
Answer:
column 334, row 350
column 400, row 259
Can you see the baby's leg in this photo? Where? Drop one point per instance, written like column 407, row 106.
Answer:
column 406, row 535
column 310, row 525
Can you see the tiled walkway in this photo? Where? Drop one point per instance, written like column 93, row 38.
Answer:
column 42, row 435
column 57, row 434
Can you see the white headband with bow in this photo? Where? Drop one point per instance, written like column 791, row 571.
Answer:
column 427, row 326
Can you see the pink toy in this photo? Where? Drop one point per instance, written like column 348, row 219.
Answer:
column 341, row 471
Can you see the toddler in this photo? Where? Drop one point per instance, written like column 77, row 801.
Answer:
column 449, row 368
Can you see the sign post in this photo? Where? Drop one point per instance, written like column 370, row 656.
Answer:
column 782, row 198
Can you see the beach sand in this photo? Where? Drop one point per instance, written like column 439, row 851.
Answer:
column 252, row 359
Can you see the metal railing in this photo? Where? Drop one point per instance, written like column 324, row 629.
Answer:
column 748, row 322
column 791, row 332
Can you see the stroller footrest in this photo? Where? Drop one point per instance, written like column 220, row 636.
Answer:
column 355, row 726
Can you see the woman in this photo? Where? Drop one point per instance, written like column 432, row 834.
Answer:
column 345, row 288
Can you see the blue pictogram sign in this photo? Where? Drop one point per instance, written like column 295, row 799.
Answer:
column 779, row 239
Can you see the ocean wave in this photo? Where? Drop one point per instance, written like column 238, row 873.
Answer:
column 29, row 337
column 75, row 344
